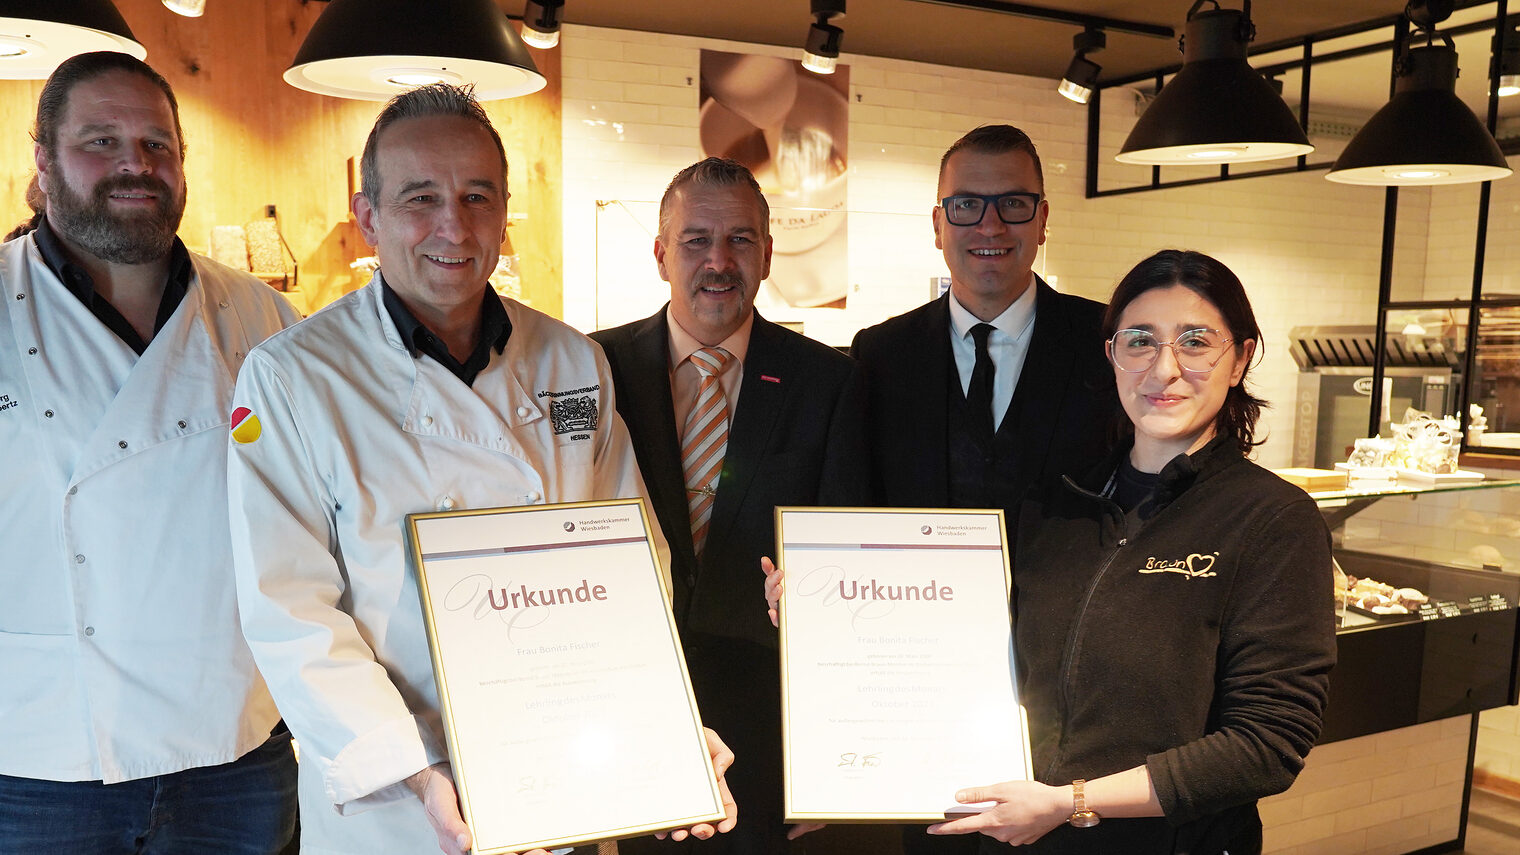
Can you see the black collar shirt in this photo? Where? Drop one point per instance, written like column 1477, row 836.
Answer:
column 79, row 283
column 495, row 328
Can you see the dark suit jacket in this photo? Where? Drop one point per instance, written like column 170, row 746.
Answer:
column 1066, row 384
column 795, row 438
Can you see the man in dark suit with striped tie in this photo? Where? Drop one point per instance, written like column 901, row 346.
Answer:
column 731, row 415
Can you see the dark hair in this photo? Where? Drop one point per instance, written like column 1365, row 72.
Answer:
column 1210, row 279
column 87, row 66
column 38, row 203
column 715, row 172
column 995, row 139
column 434, row 99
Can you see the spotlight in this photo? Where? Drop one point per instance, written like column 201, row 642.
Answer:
column 188, row 8
column 821, row 54
column 541, row 19
column 1077, row 82
column 1507, row 54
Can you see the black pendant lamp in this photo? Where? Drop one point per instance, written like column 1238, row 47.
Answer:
column 1216, row 109
column 1424, row 134
column 371, row 50
column 37, row 35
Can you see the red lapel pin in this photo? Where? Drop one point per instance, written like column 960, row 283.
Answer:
column 769, row 379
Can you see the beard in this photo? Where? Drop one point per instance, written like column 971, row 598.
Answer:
column 134, row 237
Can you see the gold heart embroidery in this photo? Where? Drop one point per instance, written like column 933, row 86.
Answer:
column 1200, row 565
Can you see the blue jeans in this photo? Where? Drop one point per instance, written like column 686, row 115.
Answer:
column 246, row 807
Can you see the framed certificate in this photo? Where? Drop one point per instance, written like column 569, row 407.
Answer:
column 897, row 667
column 565, row 698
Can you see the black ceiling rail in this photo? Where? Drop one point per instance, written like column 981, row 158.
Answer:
column 1061, row 16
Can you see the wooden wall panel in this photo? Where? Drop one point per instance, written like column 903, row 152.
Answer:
column 255, row 140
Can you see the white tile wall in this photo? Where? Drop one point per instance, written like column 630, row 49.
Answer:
column 1385, row 793
column 1307, row 249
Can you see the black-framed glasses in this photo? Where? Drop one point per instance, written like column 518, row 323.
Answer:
column 1197, row 351
column 1013, row 208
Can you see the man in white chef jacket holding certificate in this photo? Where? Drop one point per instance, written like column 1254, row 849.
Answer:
column 423, row 391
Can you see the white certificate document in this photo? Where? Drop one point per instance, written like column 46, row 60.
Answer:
column 565, row 697
column 897, row 671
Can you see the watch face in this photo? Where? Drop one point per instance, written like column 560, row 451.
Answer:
column 1084, row 819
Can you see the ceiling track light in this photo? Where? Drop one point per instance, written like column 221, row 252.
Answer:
column 541, row 20
column 37, row 35
column 1217, row 108
column 821, row 53
column 1424, row 134
column 1082, row 74
column 372, row 50
column 188, row 8
column 1507, row 55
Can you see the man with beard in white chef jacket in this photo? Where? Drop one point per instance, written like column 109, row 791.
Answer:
column 422, row 391
column 134, row 718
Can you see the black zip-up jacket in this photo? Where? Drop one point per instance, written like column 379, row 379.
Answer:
column 1197, row 642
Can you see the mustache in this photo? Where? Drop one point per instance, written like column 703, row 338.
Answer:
column 713, row 277
column 143, row 183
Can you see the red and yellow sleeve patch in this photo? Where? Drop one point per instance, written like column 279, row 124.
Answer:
column 245, row 426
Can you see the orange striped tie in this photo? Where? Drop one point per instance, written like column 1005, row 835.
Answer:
column 704, row 441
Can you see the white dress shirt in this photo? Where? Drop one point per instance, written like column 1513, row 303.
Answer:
column 119, row 641
column 1008, row 345
column 685, row 379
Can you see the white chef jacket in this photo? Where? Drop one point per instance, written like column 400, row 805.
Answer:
column 354, row 434
column 118, row 619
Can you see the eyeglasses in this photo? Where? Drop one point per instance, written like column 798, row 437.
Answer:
column 1013, row 208
column 1197, row 351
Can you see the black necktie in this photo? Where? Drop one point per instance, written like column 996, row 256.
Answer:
column 979, row 394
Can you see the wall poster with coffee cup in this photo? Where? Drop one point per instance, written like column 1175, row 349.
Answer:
column 790, row 126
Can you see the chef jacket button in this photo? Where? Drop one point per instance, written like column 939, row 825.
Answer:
column 446, row 503
column 222, row 303
column 20, row 296
column 533, row 497
column 122, row 444
column 183, row 424
column 79, row 559
column 427, row 421
column 48, row 413
column 74, row 491
column 31, row 351
column 522, row 412
column 89, row 630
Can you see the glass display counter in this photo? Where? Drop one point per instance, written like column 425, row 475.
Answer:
column 1393, row 769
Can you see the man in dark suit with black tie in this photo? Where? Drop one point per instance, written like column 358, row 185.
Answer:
column 731, row 415
column 997, row 385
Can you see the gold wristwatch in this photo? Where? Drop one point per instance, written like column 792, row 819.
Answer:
column 1081, row 817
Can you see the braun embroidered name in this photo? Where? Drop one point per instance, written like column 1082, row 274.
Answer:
column 6, row 403
column 581, row 391
column 875, row 590
column 1195, row 566
column 522, row 598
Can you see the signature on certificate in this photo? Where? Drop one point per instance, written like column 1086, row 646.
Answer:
column 854, row 760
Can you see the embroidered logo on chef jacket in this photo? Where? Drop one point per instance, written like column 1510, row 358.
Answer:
column 8, row 403
column 573, row 415
column 245, row 426
column 1195, row 566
